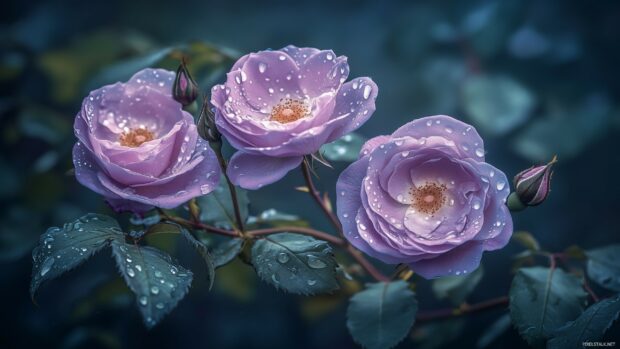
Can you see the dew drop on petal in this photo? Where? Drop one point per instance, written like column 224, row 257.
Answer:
column 500, row 185
column 367, row 90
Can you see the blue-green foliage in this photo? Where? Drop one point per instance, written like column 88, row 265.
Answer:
column 203, row 250
column 217, row 206
column 604, row 266
column 589, row 327
column 226, row 251
column 543, row 300
column 295, row 263
column 380, row 316
column 62, row 249
column 501, row 325
column 156, row 279
column 457, row 288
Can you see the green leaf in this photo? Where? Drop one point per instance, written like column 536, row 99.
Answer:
column 526, row 240
column 604, row 266
column 295, row 263
column 494, row 331
column 62, row 249
column 156, row 279
column 380, row 316
column 203, row 251
column 542, row 300
column 589, row 327
column 217, row 207
column 457, row 288
column 346, row 148
column 225, row 252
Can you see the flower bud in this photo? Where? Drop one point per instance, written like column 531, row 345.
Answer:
column 532, row 186
column 184, row 89
column 206, row 125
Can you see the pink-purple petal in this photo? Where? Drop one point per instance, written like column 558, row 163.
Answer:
column 449, row 239
column 252, row 171
column 165, row 171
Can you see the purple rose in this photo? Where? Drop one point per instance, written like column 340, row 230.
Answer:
column 138, row 148
column 277, row 106
column 425, row 197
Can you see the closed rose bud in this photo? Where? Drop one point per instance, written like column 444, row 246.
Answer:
column 532, row 186
column 184, row 89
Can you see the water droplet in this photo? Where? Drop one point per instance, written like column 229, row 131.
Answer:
column 159, row 305
column 131, row 273
column 205, row 188
column 283, row 257
column 47, row 265
column 154, row 290
column 262, row 67
column 500, row 185
column 315, row 263
column 158, row 274
column 367, row 90
column 311, row 282
column 479, row 152
column 143, row 300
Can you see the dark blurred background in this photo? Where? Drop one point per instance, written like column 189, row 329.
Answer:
column 537, row 78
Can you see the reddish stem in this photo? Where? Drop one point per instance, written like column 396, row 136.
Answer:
column 316, row 195
column 357, row 255
column 306, row 231
column 440, row 314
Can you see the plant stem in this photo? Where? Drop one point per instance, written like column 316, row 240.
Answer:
column 357, row 255
column 231, row 187
column 316, row 195
column 465, row 309
column 197, row 225
column 306, row 231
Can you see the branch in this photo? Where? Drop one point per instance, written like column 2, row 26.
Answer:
column 197, row 225
column 465, row 309
column 306, row 231
column 357, row 255
column 316, row 195
column 231, row 188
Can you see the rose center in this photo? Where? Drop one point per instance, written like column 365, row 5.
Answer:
column 289, row 110
column 134, row 138
column 428, row 198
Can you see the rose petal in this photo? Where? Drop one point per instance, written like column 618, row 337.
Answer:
column 466, row 139
column 461, row 260
column 323, row 72
column 252, row 171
